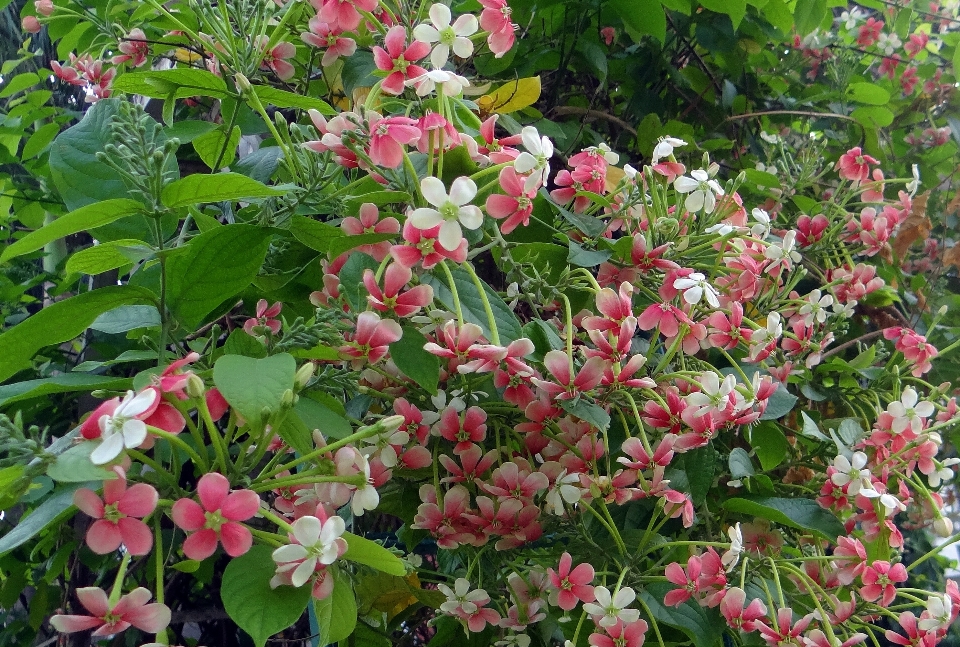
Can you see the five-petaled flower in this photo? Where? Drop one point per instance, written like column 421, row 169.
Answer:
column 216, row 518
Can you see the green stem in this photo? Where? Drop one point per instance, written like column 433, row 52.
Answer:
column 453, row 291
column 172, row 438
column 117, row 589
column 491, row 320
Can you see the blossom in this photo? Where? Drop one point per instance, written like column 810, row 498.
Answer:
column 879, row 581
column 702, row 191
column 316, row 543
column 388, row 136
column 738, row 616
column 908, row 413
column 851, row 472
column 450, row 84
column 131, row 610
column 124, row 426
column 495, row 19
column 445, row 35
column 621, row 634
column 329, row 38
column 397, row 59
column 369, row 222
column 371, row 339
column 390, row 299
column 133, row 47
column 264, row 320
column 570, row 585
column 535, row 160
column 516, row 206
column 854, row 165
column 732, row 556
column 664, row 148
column 118, row 515
column 216, row 518
column 343, row 14
column 461, row 598
column 451, row 211
column 275, row 58
column 612, row 608
column 695, row 287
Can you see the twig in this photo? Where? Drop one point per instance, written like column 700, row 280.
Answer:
column 596, row 114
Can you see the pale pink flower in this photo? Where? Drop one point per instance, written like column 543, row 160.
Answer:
column 369, row 223
column 371, row 339
column 327, row 37
column 134, row 49
column 118, row 515
column 570, row 585
column 216, row 518
column 388, row 136
column 516, row 206
column 343, row 14
column 854, row 165
column 130, row 610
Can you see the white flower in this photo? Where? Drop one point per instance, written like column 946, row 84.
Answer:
column 461, row 598
column 938, row 612
column 890, row 503
column 535, row 160
column 908, row 413
column 852, row 471
column 888, row 43
column 563, row 490
column 366, row 496
column 613, row 608
column 317, row 543
column 815, row 308
column 630, row 172
column 762, row 227
column 451, row 211
column 721, row 228
column 664, row 148
column 713, row 392
column 695, row 287
column 122, row 429
column 786, row 251
column 914, row 184
column 844, row 310
column 604, row 151
column 450, row 84
column 703, row 191
column 386, row 444
column 944, row 473
column 851, row 18
column 730, row 558
column 447, row 36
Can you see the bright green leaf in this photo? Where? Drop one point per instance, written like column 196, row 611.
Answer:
column 74, row 466
column 66, row 383
column 803, row 514
column 179, row 82
column 254, row 386
column 472, row 305
column 769, row 443
column 216, row 149
column 808, row 15
column 216, row 187
column 107, row 256
column 364, row 551
column 57, row 507
column 337, row 613
column 283, row 99
column 413, row 361
column 868, row 93
column 643, row 16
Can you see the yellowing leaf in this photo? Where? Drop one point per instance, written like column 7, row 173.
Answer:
column 186, row 55
column 614, row 175
column 511, row 96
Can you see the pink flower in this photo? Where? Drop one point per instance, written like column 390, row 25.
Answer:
column 608, row 34
column 118, row 515
column 134, row 48
column 854, row 165
column 275, row 58
column 264, row 321
column 738, row 616
column 423, row 245
column 328, row 37
column 395, row 278
column 916, row 43
column 130, row 610
column 217, row 519
column 571, row 585
column 495, row 18
column 44, row 7
column 343, row 14
column 686, row 580
column 370, row 340
column 387, row 137
column 880, row 580
column 369, row 223
column 397, row 59
column 30, row 24
column 516, row 206
column 621, row 635
column 463, row 430
column 568, row 385
column 786, row 632
column 916, row 637
column 869, row 32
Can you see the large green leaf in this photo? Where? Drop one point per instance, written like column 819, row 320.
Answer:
column 283, row 99
column 364, row 551
column 254, row 386
column 337, row 613
column 124, row 318
column 219, row 264
column 704, row 626
column 216, row 149
column 472, row 304
column 315, row 415
column 769, row 443
column 108, row 256
column 66, row 383
column 60, row 322
column 82, row 219
column 868, row 93
column 178, row 83
column 248, row 599
column 315, row 235
column 736, row 9
column 74, row 466
column 808, row 15
column 803, row 514
column 413, row 361
column 56, row 508
column 215, row 187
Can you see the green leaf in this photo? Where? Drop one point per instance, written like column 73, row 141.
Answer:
column 868, row 93
column 544, row 337
column 811, row 429
column 337, row 613
column 254, row 386
column 248, row 599
column 202, row 188
column 124, row 318
column 242, row 343
column 39, row 140
column 315, row 415
column 108, row 256
column 704, row 626
column 217, row 265
column 586, row 257
column 315, row 235
column 643, row 17
column 82, row 219
column 188, row 130
column 215, row 149
column 780, row 404
column 351, row 279
column 57, row 507
column 413, row 361
column 60, row 322
column 762, row 178
column 19, row 83
column 700, row 465
column 587, row 224
column 66, row 383
column 179, row 83
column 803, row 514
column 740, row 464
column 343, row 244
column 74, row 466
column 295, row 434
column 472, row 305
column 736, row 9
column 588, row 412
column 769, row 443
column 808, row 15
column 283, row 99
column 873, row 116
column 260, row 164
column 364, row 551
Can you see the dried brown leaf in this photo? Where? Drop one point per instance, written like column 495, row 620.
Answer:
column 916, row 227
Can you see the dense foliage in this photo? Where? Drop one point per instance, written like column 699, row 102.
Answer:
column 550, row 323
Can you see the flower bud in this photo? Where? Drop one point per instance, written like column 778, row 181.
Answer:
column 195, row 387
column 943, row 527
column 30, row 24
column 304, row 374
column 243, row 84
column 43, row 7
column 288, row 399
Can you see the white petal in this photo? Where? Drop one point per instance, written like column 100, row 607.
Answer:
column 694, row 201
column 426, row 33
column 471, row 217
column 289, row 553
column 462, row 191
column 531, row 139
column 439, row 55
column 109, row 449
column 425, row 218
column 301, row 575
column 134, row 407
column 466, row 25
column 440, row 15
column 306, row 530
column 524, row 163
column 450, row 235
column 134, row 433
column 462, row 47
column 332, row 528
column 684, row 184
column 700, row 175
column 924, row 409
column 433, row 191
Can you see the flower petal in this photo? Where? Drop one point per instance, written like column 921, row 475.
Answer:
column 103, row 537
column 433, row 191
column 94, row 600
column 462, row 191
column 450, row 235
column 109, row 449
column 240, row 505
column 213, row 488
column 188, row 515
column 306, row 530
column 136, row 536
column 200, row 545
column 236, row 539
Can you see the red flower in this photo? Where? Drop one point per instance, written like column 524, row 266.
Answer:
column 572, row 585
column 397, row 59
column 217, row 519
column 118, row 515
column 371, row 339
column 390, row 299
column 880, row 580
column 264, row 320
column 516, row 206
column 854, row 165
column 134, row 48
column 465, row 430
column 130, row 610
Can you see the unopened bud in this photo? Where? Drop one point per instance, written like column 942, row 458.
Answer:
column 942, row 311
column 391, row 423
column 195, row 387
column 288, row 399
column 243, row 84
column 943, row 527
column 304, row 374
